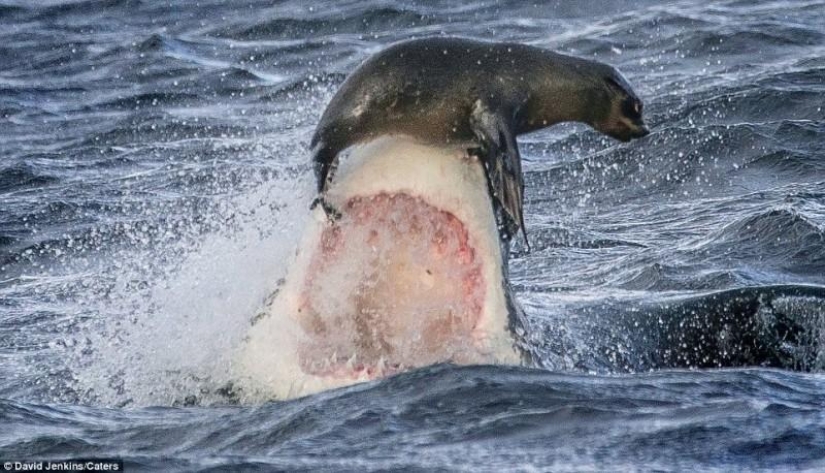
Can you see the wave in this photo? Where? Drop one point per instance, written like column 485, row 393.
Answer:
column 22, row 176
column 748, row 39
column 324, row 22
column 781, row 238
column 483, row 415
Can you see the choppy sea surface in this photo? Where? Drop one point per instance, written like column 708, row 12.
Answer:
column 154, row 180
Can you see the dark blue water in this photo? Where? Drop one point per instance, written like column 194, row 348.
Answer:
column 154, row 181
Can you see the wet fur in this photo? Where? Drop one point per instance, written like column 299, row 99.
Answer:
column 430, row 89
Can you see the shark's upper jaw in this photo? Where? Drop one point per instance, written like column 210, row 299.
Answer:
column 395, row 283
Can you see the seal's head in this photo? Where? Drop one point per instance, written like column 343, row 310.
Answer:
column 621, row 109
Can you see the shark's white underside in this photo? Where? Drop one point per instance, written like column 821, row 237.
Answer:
column 397, row 174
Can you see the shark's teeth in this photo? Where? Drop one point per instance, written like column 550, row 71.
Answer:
column 351, row 361
column 354, row 367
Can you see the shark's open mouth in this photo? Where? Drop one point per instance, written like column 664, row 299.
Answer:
column 410, row 275
column 395, row 283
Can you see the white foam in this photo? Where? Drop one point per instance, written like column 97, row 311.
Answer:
column 177, row 338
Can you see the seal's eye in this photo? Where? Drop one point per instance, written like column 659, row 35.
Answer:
column 632, row 108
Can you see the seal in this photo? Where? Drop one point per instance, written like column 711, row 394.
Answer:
column 473, row 94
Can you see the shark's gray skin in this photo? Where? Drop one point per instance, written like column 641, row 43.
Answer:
column 481, row 95
column 780, row 326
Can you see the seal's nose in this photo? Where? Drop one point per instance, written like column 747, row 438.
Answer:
column 641, row 130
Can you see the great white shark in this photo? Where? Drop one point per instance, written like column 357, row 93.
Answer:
column 414, row 272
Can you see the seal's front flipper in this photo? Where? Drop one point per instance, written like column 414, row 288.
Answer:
column 502, row 162
column 324, row 161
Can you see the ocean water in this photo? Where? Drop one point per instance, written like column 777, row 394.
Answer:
column 154, row 180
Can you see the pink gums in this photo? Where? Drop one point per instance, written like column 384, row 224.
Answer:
column 394, row 284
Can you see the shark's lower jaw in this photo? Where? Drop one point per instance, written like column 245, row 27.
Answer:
column 411, row 274
column 393, row 284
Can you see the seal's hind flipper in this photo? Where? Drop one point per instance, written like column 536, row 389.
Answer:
column 502, row 162
column 332, row 213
